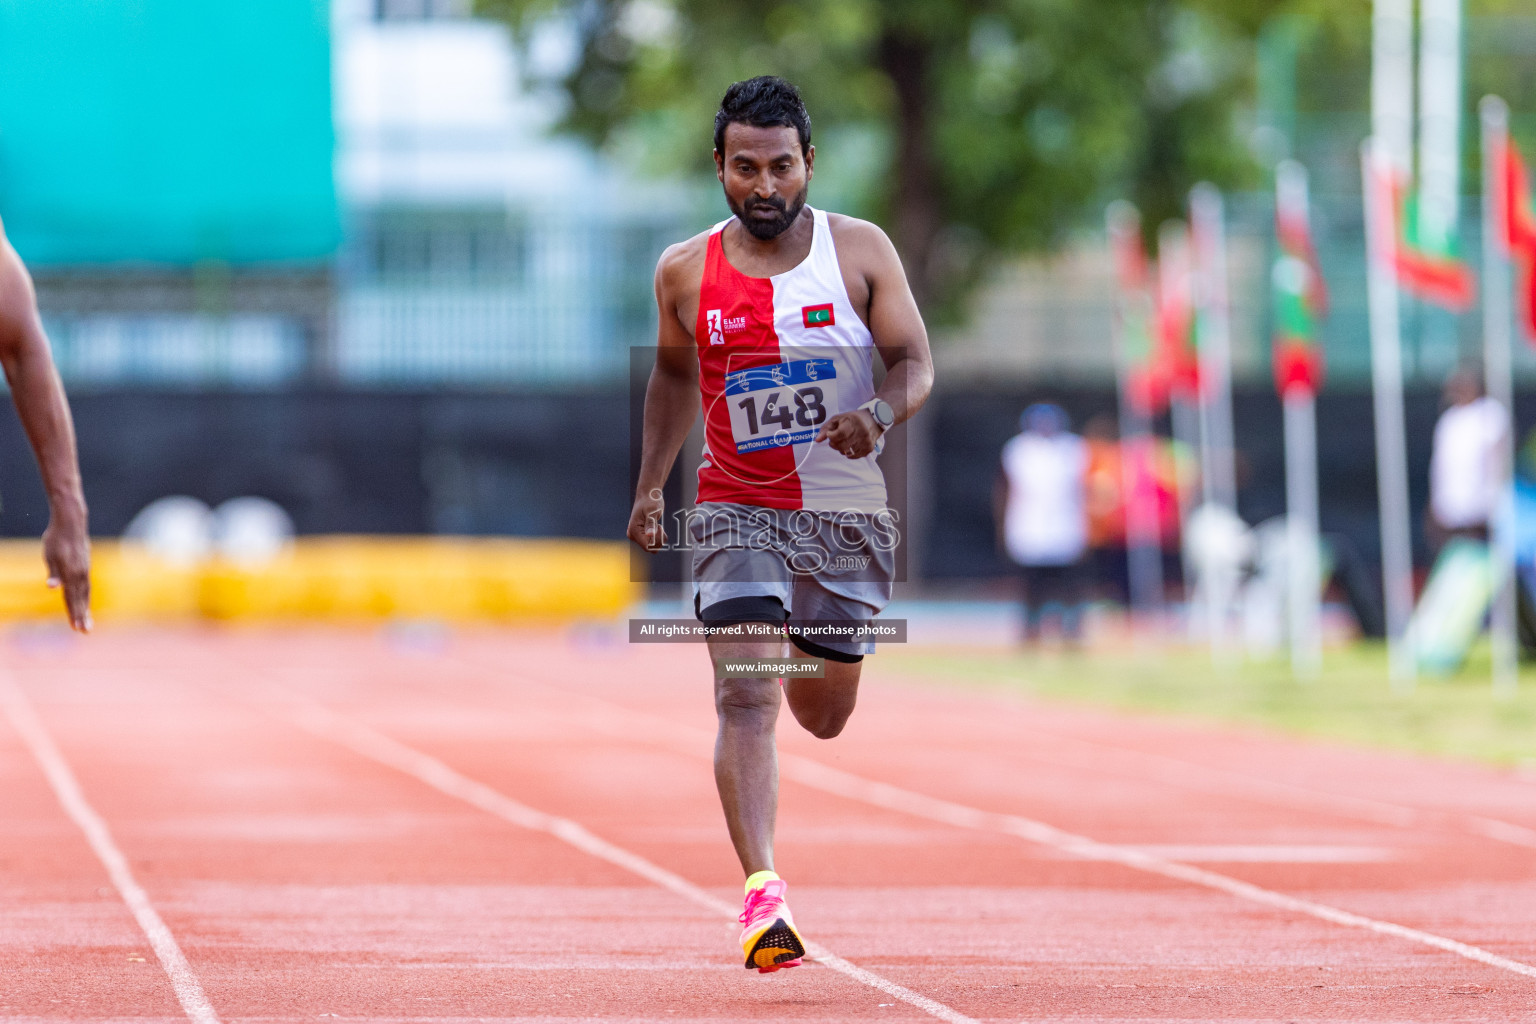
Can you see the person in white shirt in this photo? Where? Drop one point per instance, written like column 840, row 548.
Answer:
column 1464, row 474
column 1041, row 511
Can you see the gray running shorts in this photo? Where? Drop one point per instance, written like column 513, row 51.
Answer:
column 827, row 571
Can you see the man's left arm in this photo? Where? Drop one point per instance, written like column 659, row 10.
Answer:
column 44, row 412
column 902, row 341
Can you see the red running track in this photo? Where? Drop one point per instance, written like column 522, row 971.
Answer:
column 523, row 827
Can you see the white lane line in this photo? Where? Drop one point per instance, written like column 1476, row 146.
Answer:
column 1206, row 779
column 375, row 746
column 1503, row 831
column 189, row 992
column 1267, row 853
column 833, row 780
column 1203, row 777
column 1194, row 775
column 1173, row 771
column 619, row 721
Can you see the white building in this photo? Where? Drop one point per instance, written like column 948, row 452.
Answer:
column 481, row 247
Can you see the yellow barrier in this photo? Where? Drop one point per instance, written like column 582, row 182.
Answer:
column 342, row 578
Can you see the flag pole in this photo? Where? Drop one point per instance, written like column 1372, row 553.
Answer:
column 1499, row 384
column 1214, row 351
column 1439, row 171
column 1208, row 232
column 1377, row 171
column 1389, row 154
column 1304, row 586
column 1439, row 118
column 1184, row 416
column 1392, row 81
column 1143, row 532
column 1304, row 583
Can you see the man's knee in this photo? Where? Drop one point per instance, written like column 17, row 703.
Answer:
column 823, row 706
column 824, row 718
column 747, row 699
column 830, row 725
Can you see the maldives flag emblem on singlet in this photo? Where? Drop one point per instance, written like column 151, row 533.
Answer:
column 818, row 316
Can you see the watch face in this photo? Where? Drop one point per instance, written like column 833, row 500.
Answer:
column 883, row 413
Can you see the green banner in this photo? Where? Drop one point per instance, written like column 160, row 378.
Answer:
column 167, row 131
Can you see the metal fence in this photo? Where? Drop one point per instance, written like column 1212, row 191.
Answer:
column 417, row 297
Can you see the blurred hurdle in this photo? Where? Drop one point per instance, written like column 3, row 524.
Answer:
column 341, row 579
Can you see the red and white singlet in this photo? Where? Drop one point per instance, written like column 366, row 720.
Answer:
column 778, row 357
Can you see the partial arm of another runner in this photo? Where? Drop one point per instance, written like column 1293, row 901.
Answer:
column 671, row 397
column 44, row 413
column 1000, row 509
column 899, row 334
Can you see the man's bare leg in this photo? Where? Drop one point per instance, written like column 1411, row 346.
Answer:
column 822, row 706
column 746, row 761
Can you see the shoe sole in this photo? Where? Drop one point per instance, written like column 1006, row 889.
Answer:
column 777, row 947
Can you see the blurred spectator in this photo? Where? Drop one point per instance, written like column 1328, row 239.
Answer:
column 1464, row 463
column 1040, row 504
column 1167, row 474
column 1104, row 487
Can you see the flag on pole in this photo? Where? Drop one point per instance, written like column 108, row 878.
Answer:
column 1213, row 341
column 1146, row 384
column 1520, row 231
column 1301, row 299
column 1437, row 207
column 1177, row 357
column 1427, row 265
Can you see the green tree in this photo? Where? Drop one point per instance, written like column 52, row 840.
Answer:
column 1000, row 124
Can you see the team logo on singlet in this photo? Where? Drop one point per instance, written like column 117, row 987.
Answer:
column 720, row 326
column 818, row 316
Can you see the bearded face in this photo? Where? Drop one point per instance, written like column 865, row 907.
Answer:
column 766, row 177
column 768, row 218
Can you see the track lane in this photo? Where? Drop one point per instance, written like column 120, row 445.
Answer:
column 1236, row 818
column 1292, row 905
column 59, row 905
column 1127, row 746
column 61, row 777
column 334, row 883
column 440, row 776
column 244, row 830
column 1382, row 786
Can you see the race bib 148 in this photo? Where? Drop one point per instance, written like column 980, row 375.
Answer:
column 782, row 404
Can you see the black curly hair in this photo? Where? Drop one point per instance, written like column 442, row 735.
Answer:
column 766, row 101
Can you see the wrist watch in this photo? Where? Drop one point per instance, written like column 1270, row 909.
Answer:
column 882, row 412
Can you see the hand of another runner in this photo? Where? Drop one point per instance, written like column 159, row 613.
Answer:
column 645, row 527
column 67, row 552
column 855, row 434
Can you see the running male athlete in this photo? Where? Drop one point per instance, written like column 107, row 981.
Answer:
column 769, row 321
column 44, row 412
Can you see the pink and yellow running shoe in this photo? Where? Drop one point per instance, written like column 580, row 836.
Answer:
column 768, row 935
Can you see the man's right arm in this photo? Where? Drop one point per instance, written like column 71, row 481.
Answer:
column 671, row 398
column 44, row 414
